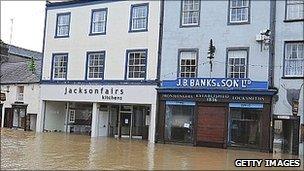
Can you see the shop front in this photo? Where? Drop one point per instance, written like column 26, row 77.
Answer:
column 215, row 116
column 99, row 110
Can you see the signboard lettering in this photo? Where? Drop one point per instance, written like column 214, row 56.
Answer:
column 105, row 93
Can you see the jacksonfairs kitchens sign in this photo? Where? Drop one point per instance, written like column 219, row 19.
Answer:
column 216, row 83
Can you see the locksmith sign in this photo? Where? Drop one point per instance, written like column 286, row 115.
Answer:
column 216, row 83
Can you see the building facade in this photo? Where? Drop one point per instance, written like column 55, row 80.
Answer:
column 215, row 87
column 100, row 68
column 289, row 76
column 20, row 89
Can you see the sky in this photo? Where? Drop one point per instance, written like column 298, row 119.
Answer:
column 28, row 23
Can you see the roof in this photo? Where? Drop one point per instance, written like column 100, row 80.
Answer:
column 24, row 52
column 18, row 72
column 75, row 3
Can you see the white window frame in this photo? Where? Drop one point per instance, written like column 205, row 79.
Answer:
column 245, row 65
column 20, row 95
column 142, row 52
column 295, row 4
column 299, row 59
column 185, row 11
column 59, row 25
column 134, row 17
column 189, row 55
column 72, row 116
column 100, row 66
column 102, row 22
column 241, row 7
column 61, row 66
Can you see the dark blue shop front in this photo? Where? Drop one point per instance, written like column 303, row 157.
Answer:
column 215, row 112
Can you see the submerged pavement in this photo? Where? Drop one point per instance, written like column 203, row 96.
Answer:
column 30, row 150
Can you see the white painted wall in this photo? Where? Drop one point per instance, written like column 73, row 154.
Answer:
column 31, row 96
column 116, row 41
column 55, row 116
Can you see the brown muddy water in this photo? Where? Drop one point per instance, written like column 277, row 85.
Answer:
column 30, row 150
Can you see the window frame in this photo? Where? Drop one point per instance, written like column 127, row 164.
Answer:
column 181, row 25
column 247, row 49
column 291, row 20
column 52, row 68
column 284, row 56
column 239, row 22
column 87, row 72
column 56, row 29
column 131, row 18
column 106, row 21
column 196, row 50
column 127, row 63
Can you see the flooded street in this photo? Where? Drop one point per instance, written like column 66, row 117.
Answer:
column 30, row 150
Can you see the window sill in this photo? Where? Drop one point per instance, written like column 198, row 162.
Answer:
column 56, row 37
column 238, row 23
column 187, row 26
column 136, row 31
column 293, row 20
column 292, row 77
column 96, row 34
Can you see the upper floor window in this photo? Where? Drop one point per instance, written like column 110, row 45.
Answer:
column 187, row 64
column 239, row 11
column 99, row 21
column 139, row 17
column 63, row 25
column 294, row 9
column 294, row 59
column 20, row 93
column 136, row 64
column 190, row 12
column 95, row 64
column 237, row 63
column 60, row 62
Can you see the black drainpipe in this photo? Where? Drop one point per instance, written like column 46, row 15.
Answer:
column 160, row 40
column 271, row 65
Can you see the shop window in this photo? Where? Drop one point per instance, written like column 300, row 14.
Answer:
column 20, row 93
column 237, row 63
column 190, row 13
column 72, row 116
column 245, row 127
column 188, row 64
column 179, row 122
column 294, row 59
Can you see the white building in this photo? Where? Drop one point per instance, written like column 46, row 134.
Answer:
column 100, row 68
column 20, row 87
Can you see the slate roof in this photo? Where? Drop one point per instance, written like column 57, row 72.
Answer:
column 24, row 52
column 18, row 72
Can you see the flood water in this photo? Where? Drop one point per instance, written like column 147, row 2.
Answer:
column 30, row 150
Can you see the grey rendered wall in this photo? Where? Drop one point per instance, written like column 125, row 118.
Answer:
column 213, row 24
column 286, row 31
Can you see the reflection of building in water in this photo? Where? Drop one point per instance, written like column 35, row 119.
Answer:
column 99, row 73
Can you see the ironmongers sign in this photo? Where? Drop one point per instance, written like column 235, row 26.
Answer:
column 216, row 97
column 216, row 83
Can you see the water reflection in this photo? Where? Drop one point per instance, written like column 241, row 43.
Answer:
column 29, row 150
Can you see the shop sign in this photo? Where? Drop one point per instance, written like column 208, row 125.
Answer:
column 208, row 97
column 2, row 97
column 246, row 105
column 216, row 83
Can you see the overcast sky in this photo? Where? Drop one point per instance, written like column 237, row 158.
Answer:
column 27, row 26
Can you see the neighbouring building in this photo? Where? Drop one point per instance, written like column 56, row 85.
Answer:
column 19, row 84
column 289, row 76
column 100, row 68
column 215, row 88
